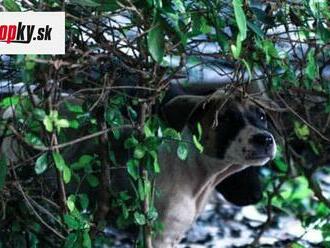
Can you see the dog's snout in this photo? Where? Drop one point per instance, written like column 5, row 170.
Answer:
column 262, row 140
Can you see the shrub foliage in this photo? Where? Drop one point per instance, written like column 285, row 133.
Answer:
column 120, row 58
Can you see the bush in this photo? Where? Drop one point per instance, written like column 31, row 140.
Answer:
column 120, row 58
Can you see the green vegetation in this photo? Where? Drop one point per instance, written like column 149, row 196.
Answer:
column 118, row 64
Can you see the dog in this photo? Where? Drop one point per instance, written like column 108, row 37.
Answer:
column 234, row 137
column 242, row 188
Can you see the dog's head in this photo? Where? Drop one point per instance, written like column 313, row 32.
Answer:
column 235, row 129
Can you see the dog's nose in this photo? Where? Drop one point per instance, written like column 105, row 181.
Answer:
column 262, row 139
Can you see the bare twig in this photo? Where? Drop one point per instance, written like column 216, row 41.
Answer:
column 104, row 196
column 28, row 203
column 66, row 144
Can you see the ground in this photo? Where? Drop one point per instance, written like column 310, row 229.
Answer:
column 223, row 225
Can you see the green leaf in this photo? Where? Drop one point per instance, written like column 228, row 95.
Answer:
column 314, row 147
column 124, row 196
column 197, row 144
column 139, row 152
column 172, row 19
column 87, row 243
column 66, row 174
column 156, row 166
column 152, row 214
column 199, row 130
column 11, row 5
column 71, row 202
column 323, row 32
column 85, row 160
column 316, row 6
column 269, row 49
column 33, row 140
column 262, row 17
column 74, row 124
column 256, row 29
column 171, row 133
column 158, row 3
column 240, row 19
column 296, row 189
column 131, row 142
column 62, row 123
column 39, row 114
column 281, row 165
column 92, row 180
column 132, row 168
column 3, row 172
column 147, row 131
column 76, row 166
column 296, row 245
column 74, row 108
column 84, row 201
column 151, row 143
column 132, row 113
column 41, row 164
column 9, row 101
column 59, row 161
column 311, row 68
column 71, row 240
column 182, row 151
column 71, row 222
column 30, row 62
column 301, row 130
column 236, row 50
column 302, row 191
column 156, row 163
column 139, row 218
column 248, row 69
column 113, row 116
column 116, row 134
column 48, row 123
column 53, row 114
column 199, row 25
column 156, row 42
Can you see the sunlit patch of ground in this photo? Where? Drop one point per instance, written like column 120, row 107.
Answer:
column 223, row 225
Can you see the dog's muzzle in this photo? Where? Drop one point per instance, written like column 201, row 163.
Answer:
column 263, row 146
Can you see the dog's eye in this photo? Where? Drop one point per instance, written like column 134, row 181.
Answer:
column 261, row 116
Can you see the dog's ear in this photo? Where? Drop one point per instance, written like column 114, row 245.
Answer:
column 207, row 111
column 258, row 92
column 177, row 111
